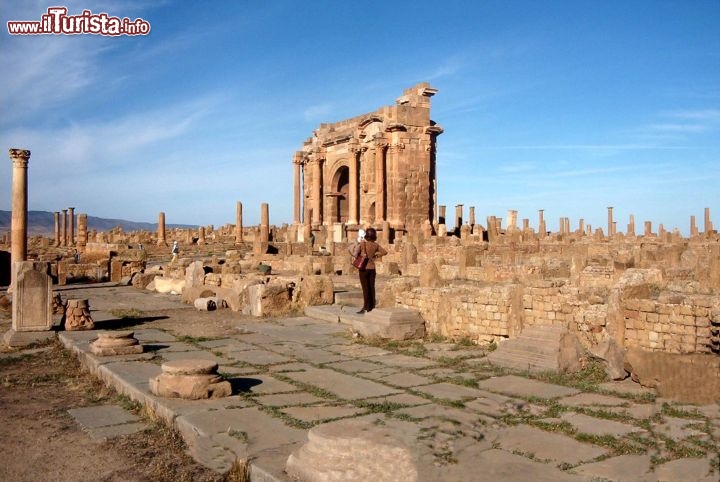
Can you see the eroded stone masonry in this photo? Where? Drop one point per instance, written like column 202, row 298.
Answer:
column 623, row 294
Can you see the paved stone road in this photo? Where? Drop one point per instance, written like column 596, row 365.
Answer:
column 452, row 416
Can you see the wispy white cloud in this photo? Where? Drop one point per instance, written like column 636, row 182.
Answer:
column 703, row 114
column 318, row 111
column 685, row 128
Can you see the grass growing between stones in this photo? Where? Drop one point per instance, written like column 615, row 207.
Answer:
column 276, row 412
column 127, row 314
column 674, row 410
column 195, row 340
column 378, row 407
column 128, row 403
column 238, row 434
column 586, row 379
column 619, row 446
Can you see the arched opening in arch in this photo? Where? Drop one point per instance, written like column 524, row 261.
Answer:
column 341, row 188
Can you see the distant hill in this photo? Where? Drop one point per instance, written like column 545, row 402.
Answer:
column 43, row 223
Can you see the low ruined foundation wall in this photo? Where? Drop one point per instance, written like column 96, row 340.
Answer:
column 479, row 313
column 682, row 326
column 670, row 322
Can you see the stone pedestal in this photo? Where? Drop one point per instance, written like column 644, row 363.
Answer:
column 31, row 306
column 77, row 315
column 351, row 450
column 116, row 343
column 390, row 323
column 190, row 379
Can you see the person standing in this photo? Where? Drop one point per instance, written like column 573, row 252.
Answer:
column 175, row 250
column 371, row 249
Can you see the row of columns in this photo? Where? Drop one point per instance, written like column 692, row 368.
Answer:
column 264, row 224
column 65, row 227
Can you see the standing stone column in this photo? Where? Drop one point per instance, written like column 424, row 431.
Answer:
column 394, row 208
column 631, row 226
column 63, row 228
column 708, row 223
column 82, row 237
column 161, row 241
column 317, row 190
column 610, row 222
column 512, row 220
column 354, row 187
column 648, row 229
column 57, row 228
column 238, row 224
column 458, row 217
column 297, row 163
column 201, row 235
column 71, row 226
column 542, row 230
column 264, row 223
column 380, row 180
column 18, row 220
column 471, row 216
column 693, row 227
column 441, row 215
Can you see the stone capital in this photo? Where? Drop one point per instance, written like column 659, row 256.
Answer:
column 19, row 157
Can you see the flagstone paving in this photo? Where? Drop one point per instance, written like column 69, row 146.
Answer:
column 461, row 418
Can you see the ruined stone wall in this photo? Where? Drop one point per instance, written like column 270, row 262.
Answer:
column 480, row 313
column 680, row 325
column 652, row 296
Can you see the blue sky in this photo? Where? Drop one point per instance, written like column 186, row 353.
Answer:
column 566, row 106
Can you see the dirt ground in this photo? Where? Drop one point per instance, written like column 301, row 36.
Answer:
column 41, row 441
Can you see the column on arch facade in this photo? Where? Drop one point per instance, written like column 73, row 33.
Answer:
column 394, row 208
column 380, row 180
column 354, row 184
column 297, row 191
column 317, row 163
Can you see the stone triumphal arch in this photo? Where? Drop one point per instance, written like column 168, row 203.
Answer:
column 377, row 169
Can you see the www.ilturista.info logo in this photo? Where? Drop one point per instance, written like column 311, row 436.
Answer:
column 57, row 22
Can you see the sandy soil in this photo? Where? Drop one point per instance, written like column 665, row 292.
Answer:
column 41, row 441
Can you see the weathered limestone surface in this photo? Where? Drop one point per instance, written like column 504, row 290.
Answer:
column 116, row 343
column 190, row 379
column 77, row 315
column 163, row 284
column 389, row 323
column 352, row 451
column 685, row 378
column 32, row 298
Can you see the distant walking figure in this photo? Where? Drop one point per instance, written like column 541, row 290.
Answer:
column 368, row 246
column 175, row 250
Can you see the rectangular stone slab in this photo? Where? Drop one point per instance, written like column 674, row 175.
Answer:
column 344, row 386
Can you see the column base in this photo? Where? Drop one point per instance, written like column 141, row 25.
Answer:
column 14, row 338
